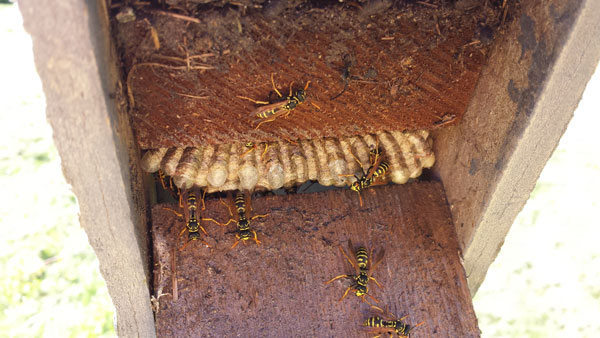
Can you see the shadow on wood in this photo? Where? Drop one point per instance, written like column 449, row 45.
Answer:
column 277, row 289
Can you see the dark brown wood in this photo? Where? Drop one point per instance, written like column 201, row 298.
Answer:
column 401, row 66
column 277, row 290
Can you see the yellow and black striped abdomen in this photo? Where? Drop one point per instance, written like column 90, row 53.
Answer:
column 191, row 200
column 375, row 322
column 381, row 169
column 240, row 204
column 362, row 258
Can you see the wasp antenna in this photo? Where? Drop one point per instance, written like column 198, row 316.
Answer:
column 306, row 86
column 421, row 323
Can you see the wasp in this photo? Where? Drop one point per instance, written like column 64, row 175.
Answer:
column 244, row 231
column 251, row 146
column 385, row 322
column 270, row 111
column 364, row 269
column 192, row 220
column 378, row 168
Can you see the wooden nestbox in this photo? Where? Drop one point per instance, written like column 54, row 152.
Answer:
column 482, row 89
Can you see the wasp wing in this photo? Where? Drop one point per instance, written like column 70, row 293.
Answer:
column 350, row 257
column 268, row 110
column 377, row 330
column 377, row 261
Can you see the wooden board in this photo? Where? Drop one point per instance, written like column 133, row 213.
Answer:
column 524, row 100
column 396, row 66
column 277, row 289
column 97, row 150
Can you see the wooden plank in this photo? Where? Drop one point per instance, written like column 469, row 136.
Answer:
column 522, row 104
column 95, row 143
column 392, row 64
column 277, row 289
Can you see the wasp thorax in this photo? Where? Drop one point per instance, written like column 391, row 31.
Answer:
column 193, row 236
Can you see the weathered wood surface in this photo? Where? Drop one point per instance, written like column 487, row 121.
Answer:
column 277, row 290
column 400, row 66
column 525, row 98
column 96, row 147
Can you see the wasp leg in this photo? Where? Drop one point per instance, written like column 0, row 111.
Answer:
column 230, row 214
column 182, row 231
column 265, row 151
column 248, row 151
column 264, row 121
column 203, row 195
column 357, row 160
column 188, row 242
column 219, row 223
column 345, row 293
column 184, row 245
column 360, row 198
column 259, row 216
column 161, row 177
column 252, row 100
column 376, row 282
column 256, row 237
column 274, row 87
column 173, row 211
column 338, row 277
column 373, row 298
column 237, row 236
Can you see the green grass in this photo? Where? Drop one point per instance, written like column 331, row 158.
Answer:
column 50, row 284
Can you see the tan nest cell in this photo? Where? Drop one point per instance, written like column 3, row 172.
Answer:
column 330, row 161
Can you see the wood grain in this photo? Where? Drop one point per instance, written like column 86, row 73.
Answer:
column 277, row 289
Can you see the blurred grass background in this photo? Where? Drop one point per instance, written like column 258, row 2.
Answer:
column 50, row 284
column 544, row 283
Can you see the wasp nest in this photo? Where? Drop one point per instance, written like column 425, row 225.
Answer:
column 273, row 165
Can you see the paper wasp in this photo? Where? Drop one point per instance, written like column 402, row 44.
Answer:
column 251, row 146
column 364, row 270
column 191, row 214
column 386, row 323
column 378, row 168
column 244, row 231
column 270, row 111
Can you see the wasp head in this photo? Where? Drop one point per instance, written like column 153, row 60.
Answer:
column 300, row 95
column 355, row 186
